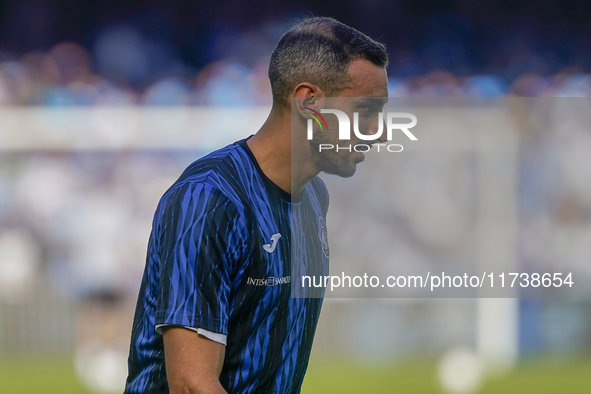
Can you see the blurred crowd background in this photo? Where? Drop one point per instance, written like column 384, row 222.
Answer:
column 74, row 223
column 69, row 52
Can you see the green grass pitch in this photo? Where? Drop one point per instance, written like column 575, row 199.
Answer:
column 335, row 376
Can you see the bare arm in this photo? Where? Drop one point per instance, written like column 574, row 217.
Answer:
column 193, row 362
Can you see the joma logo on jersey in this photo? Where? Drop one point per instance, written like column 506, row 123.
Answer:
column 270, row 248
column 270, row 281
column 345, row 129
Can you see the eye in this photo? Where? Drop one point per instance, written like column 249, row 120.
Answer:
column 364, row 111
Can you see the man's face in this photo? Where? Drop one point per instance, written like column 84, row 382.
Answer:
column 366, row 94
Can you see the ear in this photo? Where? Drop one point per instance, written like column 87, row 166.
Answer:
column 307, row 96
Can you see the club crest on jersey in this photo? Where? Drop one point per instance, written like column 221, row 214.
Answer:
column 323, row 235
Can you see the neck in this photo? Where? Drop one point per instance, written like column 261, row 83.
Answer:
column 272, row 148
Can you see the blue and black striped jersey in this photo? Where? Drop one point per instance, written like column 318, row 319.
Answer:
column 220, row 255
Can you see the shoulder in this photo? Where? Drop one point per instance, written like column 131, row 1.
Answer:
column 220, row 174
column 221, row 168
column 210, row 189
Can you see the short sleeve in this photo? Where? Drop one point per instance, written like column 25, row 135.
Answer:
column 202, row 241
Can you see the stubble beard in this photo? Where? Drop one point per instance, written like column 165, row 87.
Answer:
column 331, row 161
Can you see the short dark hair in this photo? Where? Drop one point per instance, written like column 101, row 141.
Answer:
column 319, row 50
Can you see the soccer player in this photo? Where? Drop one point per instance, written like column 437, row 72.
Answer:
column 215, row 312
